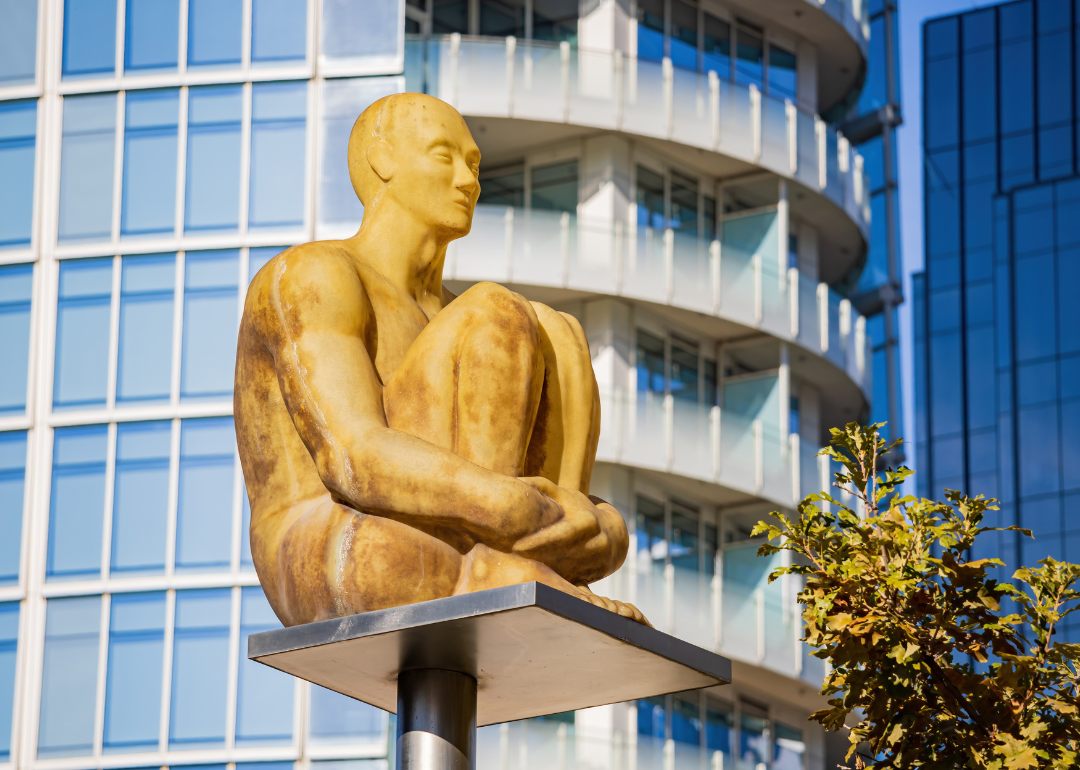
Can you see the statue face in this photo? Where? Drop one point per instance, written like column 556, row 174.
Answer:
column 436, row 163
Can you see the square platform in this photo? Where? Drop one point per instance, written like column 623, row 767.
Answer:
column 532, row 649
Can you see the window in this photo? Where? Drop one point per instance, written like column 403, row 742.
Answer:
column 86, row 167
column 152, row 35
column 650, row 198
column 452, row 16
column 149, row 180
column 18, row 129
column 555, row 20
column 337, row 719
column 208, row 357
column 370, row 32
column 502, row 17
column 264, row 696
column 717, row 53
column 18, row 55
column 16, row 286
column 200, row 669
column 141, row 497
column 719, row 722
column 652, row 718
column 144, row 364
column 651, row 534
column 749, row 55
column 789, row 750
column 214, row 33
column 77, row 502
column 80, row 372
column 278, row 31
column 133, row 674
column 204, row 508
column 554, row 187
column 12, row 488
column 69, row 677
column 783, row 73
column 684, row 205
column 754, row 734
column 684, row 35
column 686, row 718
column 684, row 371
column 213, row 159
column 503, row 186
column 278, row 154
column 650, row 36
column 685, row 549
column 9, row 639
column 650, row 363
column 89, row 38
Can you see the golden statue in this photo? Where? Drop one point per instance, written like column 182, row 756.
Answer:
column 399, row 443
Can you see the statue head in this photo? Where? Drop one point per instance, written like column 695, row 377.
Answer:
column 413, row 152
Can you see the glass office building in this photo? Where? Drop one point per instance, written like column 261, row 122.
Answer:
column 997, row 345
column 669, row 172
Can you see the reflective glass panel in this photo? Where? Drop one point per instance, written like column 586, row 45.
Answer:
column 211, row 284
column 650, row 198
column 16, row 286
column 684, row 372
column 337, row 719
column 718, row 723
column 783, row 74
column 753, row 737
column 89, row 37
column 150, row 137
column 18, row 127
column 685, row 548
column 686, row 718
column 650, row 362
column 684, row 204
column 18, row 44
column 9, row 639
column 651, row 538
column 504, row 186
column 204, row 509
column 278, row 130
column 555, row 20
column 86, row 167
column 12, row 488
column 80, row 372
column 788, row 754
column 141, row 497
column 278, row 30
column 133, row 678
column 144, row 366
column 749, row 56
column 453, row 16
column 717, row 52
column 153, row 33
column 214, row 32
column 555, row 187
column 77, row 502
column 684, row 35
column 264, row 697
column 200, row 669
column 213, row 158
column 651, row 717
column 373, row 33
column 500, row 18
column 69, row 677
column 650, row 35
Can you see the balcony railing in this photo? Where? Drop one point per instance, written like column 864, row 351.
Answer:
column 510, row 78
column 741, row 280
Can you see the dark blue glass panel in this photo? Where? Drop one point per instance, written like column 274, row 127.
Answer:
column 144, row 368
column 89, row 37
column 1056, row 152
column 1037, row 434
column 941, row 37
column 783, row 73
column 77, row 502
column 278, row 30
column 978, row 29
column 683, row 42
column 1068, row 279
column 650, row 43
column 337, row 719
column 149, row 202
column 278, row 152
column 18, row 44
column 80, row 375
column 18, row 128
column 204, row 512
column 213, row 158
column 1070, row 446
column 153, row 32
column 12, row 488
column 1017, row 160
column 686, row 719
column 211, row 286
column 141, row 497
column 718, row 723
column 214, row 32
column 749, row 57
column 717, row 53
column 651, row 717
column 1016, row 105
column 9, row 640
column 200, row 670
column 981, row 402
column 980, row 95
column 942, row 103
column 873, row 95
column 1014, row 21
column 16, row 285
column 946, row 402
column 86, row 167
column 1035, row 308
column 69, row 677
column 1055, row 82
column 264, row 698
column 133, row 681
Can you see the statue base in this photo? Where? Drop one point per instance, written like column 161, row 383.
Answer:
column 450, row 665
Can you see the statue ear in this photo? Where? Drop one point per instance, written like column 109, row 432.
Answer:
column 379, row 157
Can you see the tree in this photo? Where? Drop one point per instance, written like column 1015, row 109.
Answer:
column 924, row 659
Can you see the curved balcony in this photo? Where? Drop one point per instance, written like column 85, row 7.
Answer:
column 531, row 81
column 740, row 278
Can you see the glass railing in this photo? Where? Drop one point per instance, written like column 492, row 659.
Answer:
column 510, row 78
column 741, row 282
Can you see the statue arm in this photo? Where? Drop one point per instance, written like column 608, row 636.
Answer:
column 315, row 317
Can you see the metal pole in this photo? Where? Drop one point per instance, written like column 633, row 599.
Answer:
column 436, row 720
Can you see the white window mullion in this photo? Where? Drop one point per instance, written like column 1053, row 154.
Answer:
column 181, row 161
column 181, row 60
column 311, row 177
column 245, row 159
column 166, row 670
column 118, row 167
column 174, row 486
column 114, row 334
column 110, row 490
column 102, row 664
column 121, row 10
column 245, row 38
column 234, row 668
column 178, row 330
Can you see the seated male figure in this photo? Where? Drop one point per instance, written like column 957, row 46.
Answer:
column 399, row 443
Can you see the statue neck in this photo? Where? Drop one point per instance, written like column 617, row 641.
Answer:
column 404, row 252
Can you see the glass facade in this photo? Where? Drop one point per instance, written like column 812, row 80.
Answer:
column 995, row 333
column 155, row 155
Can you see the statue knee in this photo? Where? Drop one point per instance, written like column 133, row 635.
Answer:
column 509, row 312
